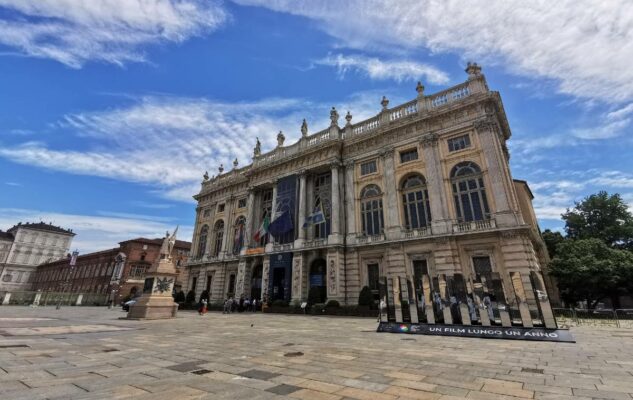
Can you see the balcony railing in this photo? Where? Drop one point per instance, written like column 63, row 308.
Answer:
column 471, row 226
column 314, row 243
column 365, row 239
column 283, row 247
column 414, row 233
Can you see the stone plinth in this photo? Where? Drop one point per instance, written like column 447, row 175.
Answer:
column 157, row 301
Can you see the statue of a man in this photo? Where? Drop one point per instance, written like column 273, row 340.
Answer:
column 280, row 139
column 258, row 148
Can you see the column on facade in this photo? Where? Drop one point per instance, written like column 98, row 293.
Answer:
column 335, row 230
column 273, row 211
column 440, row 219
column 390, row 206
column 350, row 205
column 301, row 232
column 228, row 227
column 310, row 204
column 499, row 180
column 250, row 216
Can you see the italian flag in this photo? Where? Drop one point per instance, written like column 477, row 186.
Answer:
column 263, row 229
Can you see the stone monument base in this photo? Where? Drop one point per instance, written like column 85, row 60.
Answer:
column 478, row 331
column 153, row 307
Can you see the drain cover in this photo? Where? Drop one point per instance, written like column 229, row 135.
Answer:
column 294, row 354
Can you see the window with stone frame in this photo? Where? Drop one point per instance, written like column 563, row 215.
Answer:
column 415, row 202
column 482, row 265
column 241, row 203
column 323, row 201
column 469, row 193
column 202, row 240
column 221, row 207
column 372, row 218
column 137, row 271
column 238, row 234
column 218, row 235
column 231, row 288
column 408, row 155
column 368, row 167
column 266, row 211
column 206, row 213
column 458, row 143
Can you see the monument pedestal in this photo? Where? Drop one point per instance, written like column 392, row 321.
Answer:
column 157, row 301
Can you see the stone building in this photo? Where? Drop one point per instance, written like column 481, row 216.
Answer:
column 118, row 272
column 423, row 188
column 31, row 244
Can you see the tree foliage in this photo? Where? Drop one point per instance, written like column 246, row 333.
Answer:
column 552, row 239
column 601, row 216
column 588, row 269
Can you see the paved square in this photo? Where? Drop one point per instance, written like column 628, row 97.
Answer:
column 88, row 353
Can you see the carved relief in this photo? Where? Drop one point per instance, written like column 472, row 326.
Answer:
column 332, row 278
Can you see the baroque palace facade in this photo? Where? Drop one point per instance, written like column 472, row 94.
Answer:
column 421, row 189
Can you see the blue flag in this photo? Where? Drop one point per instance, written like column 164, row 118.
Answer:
column 317, row 217
column 282, row 224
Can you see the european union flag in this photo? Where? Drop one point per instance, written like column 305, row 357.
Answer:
column 282, row 224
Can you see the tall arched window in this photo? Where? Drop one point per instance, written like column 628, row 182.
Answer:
column 371, row 210
column 202, row 240
column 469, row 192
column 415, row 201
column 238, row 235
column 218, row 234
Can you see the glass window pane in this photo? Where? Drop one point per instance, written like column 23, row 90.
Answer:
column 468, row 215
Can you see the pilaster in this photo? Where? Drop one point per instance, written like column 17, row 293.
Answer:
column 440, row 220
column 335, row 231
column 350, row 203
column 390, row 208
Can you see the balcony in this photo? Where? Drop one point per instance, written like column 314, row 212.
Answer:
column 283, row 247
column 366, row 239
column 415, row 233
column 474, row 226
column 309, row 244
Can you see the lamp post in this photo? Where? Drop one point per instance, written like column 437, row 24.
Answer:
column 73, row 261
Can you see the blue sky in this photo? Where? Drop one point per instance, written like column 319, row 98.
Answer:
column 111, row 110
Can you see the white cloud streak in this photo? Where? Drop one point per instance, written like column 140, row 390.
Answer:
column 374, row 68
column 168, row 142
column 96, row 232
column 585, row 48
column 114, row 31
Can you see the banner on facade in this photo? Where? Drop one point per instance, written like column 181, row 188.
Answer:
column 484, row 332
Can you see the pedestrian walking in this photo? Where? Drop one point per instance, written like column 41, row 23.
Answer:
column 203, row 307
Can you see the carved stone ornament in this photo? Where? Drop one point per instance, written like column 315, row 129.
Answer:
column 348, row 118
column 221, row 168
column 484, row 125
column 384, row 103
column 280, row 139
column 334, row 117
column 235, row 163
column 205, row 176
column 304, row 128
column 420, row 89
column 388, row 152
column 428, row 140
column 473, row 70
column 257, row 151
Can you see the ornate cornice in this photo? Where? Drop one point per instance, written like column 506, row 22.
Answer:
column 387, row 152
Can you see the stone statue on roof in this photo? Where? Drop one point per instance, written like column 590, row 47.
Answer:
column 258, row 148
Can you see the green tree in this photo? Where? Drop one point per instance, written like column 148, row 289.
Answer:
column 588, row 269
column 601, row 216
column 552, row 239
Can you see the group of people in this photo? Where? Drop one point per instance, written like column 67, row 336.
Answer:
column 243, row 304
column 230, row 305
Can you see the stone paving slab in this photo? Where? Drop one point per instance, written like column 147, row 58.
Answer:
column 88, row 353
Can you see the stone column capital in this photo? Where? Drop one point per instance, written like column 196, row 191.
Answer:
column 349, row 163
column 429, row 140
column 335, row 164
column 483, row 125
column 388, row 152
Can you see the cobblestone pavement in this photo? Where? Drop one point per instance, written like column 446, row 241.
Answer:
column 88, row 353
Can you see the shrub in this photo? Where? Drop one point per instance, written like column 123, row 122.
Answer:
column 333, row 304
column 365, row 298
column 280, row 303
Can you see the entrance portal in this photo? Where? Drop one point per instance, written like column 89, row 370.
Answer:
column 317, row 280
column 279, row 282
column 256, row 282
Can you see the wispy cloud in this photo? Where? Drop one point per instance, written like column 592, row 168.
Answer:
column 168, row 142
column 375, row 68
column 114, row 31
column 587, row 50
column 13, row 184
column 96, row 232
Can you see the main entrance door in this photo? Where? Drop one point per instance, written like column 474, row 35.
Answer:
column 256, row 282
column 317, row 280
column 279, row 281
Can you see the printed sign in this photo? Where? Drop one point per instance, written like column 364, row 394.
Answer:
column 486, row 332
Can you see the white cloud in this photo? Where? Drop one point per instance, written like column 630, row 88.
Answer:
column 13, row 184
column 115, row 31
column 96, row 232
column 587, row 49
column 168, row 142
column 374, row 68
